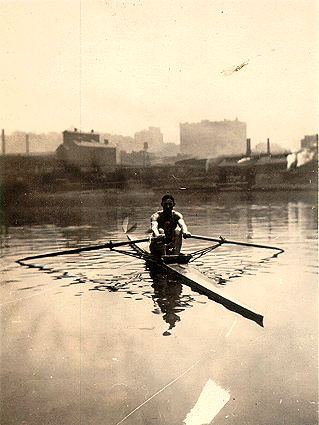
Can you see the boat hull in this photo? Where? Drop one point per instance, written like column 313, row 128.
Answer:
column 205, row 286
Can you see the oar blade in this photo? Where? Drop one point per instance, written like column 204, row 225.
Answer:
column 125, row 224
column 125, row 227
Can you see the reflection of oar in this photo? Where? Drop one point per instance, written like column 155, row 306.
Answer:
column 109, row 245
column 222, row 240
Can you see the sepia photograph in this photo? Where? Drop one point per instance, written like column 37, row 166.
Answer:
column 159, row 212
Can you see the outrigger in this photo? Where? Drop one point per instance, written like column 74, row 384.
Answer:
column 178, row 265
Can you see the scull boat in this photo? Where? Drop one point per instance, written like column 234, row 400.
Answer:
column 178, row 265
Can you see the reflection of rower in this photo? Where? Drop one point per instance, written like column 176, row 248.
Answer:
column 167, row 295
column 167, row 224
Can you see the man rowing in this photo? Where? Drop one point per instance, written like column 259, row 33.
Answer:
column 168, row 227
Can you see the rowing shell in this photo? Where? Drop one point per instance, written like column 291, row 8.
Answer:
column 205, row 286
column 178, row 266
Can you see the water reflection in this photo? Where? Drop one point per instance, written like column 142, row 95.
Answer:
column 168, row 297
column 165, row 291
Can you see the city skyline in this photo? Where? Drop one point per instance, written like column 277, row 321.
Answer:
column 19, row 142
column 121, row 67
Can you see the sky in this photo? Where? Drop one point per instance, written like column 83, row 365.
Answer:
column 121, row 66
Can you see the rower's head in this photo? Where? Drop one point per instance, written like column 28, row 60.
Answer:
column 168, row 202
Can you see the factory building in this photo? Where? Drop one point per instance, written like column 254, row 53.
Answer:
column 211, row 139
column 85, row 152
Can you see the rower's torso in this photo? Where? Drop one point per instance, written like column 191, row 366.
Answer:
column 167, row 222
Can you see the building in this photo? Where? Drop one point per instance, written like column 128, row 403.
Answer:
column 151, row 138
column 122, row 143
column 85, row 152
column 211, row 139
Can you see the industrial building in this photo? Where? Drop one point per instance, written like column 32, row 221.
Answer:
column 85, row 152
column 211, row 139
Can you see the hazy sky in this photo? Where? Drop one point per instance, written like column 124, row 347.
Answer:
column 122, row 66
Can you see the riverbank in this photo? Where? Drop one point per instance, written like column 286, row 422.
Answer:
column 22, row 175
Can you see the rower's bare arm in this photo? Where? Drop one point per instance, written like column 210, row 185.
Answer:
column 183, row 226
column 154, row 226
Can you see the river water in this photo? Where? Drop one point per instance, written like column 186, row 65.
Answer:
column 92, row 338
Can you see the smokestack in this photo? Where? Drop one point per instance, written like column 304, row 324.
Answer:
column 248, row 148
column 3, row 143
column 27, row 144
column 268, row 147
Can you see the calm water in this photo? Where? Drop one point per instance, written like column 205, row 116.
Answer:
column 93, row 339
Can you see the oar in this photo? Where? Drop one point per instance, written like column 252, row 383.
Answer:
column 222, row 240
column 109, row 245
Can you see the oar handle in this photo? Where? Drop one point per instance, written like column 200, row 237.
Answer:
column 109, row 245
column 222, row 240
